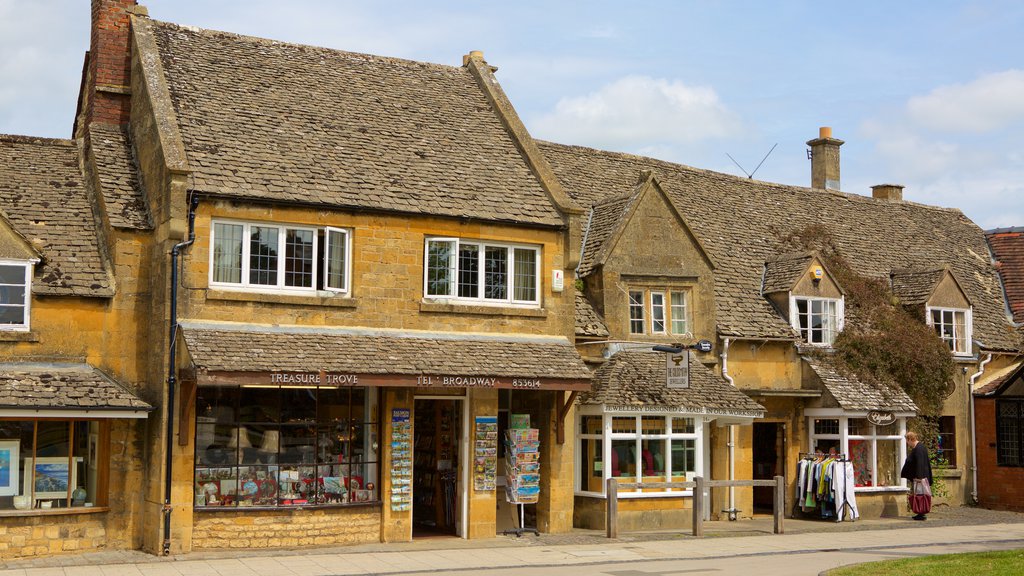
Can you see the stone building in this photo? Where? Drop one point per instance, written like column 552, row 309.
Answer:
column 711, row 257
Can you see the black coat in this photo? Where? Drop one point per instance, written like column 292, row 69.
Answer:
column 918, row 464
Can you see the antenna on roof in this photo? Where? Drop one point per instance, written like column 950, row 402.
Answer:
column 751, row 174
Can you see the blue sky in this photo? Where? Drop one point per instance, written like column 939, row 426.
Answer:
column 926, row 94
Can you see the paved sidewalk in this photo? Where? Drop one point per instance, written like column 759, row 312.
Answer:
column 535, row 554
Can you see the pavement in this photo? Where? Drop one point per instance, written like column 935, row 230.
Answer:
column 726, row 546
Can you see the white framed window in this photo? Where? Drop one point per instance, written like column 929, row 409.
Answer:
column 263, row 256
column 679, row 313
column 15, row 294
column 636, row 312
column 666, row 447
column 657, row 312
column 877, row 452
column 953, row 325
column 481, row 272
column 819, row 320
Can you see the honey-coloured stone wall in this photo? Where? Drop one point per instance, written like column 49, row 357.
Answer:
column 286, row 528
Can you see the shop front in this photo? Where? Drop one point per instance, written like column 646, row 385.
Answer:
column 634, row 427
column 317, row 436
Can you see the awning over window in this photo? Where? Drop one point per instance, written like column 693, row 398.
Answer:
column 635, row 381
column 852, row 394
column 64, row 391
column 244, row 354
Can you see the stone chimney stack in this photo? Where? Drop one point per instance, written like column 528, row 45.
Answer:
column 824, row 154
column 890, row 192
column 109, row 73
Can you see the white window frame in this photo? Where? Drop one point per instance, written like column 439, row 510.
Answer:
column 29, row 266
column 794, row 317
column 654, row 315
column 685, row 307
column 280, row 288
column 966, row 339
column 634, row 304
column 327, row 258
column 482, row 246
column 844, row 438
column 608, row 436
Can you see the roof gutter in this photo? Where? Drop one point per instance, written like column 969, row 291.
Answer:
column 172, row 366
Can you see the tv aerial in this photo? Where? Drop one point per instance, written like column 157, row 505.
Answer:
column 744, row 170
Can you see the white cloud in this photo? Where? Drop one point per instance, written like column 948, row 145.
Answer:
column 636, row 111
column 987, row 103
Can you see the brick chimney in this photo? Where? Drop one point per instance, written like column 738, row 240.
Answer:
column 109, row 85
column 824, row 154
column 890, row 192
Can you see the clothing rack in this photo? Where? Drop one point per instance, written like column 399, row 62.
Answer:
column 846, row 508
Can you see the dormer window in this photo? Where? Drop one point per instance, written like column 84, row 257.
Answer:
column 954, row 327
column 15, row 294
column 818, row 320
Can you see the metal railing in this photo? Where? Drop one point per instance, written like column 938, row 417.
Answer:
column 698, row 485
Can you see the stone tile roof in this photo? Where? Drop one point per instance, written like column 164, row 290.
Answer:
column 637, row 378
column 589, row 323
column 118, row 174
column 63, row 387
column 1007, row 246
column 915, row 286
column 782, row 272
column 44, row 195
column 741, row 222
column 248, row 348
column 261, row 119
column 853, row 394
column 604, row 220
column 991, row 384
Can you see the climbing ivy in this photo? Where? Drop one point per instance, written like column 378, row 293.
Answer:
column 883, row 342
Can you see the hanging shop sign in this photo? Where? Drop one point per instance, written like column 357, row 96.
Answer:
column 677, row 370
column 881, row 417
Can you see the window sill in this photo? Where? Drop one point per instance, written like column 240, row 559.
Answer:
column 479, row 309
column 948, row 473
column 18, row 336
column 639, row 495
column 313, row 299
column 54, row 511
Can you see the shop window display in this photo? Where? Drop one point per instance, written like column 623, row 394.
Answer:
column 876, row 451
column 50, row 464
column 284, row 447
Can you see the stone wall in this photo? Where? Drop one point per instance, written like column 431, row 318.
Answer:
column 49, row 534
column 286, row 528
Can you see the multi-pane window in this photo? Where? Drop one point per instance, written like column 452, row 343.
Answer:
column 1009, row 431
column 658, row 312
column 666, row 309
column 645, row 448
column 15, row 294
column 946, row 450
column 51, row 464
column 260, row 446
column 482, row 271
column 266, row 256
column 636, row 312
column 817, row 319
column 678, row 312
column 953, row 326
column 877, row 452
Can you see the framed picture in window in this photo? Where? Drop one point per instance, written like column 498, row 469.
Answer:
column 49, row 477
column 9, row 467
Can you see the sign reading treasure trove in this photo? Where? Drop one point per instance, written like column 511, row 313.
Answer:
column 335, row 379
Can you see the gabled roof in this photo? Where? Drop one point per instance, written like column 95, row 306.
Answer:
column 853, row 394
column 609, row 218
column 637, row 378
column 993, row 384
column 120, row 186
column 1007, row 246
column 742, row 222
column 13, row 244
column 916, row 286
column 781, row 273
column 589, row 323
column 44, row 196
column 266, row 120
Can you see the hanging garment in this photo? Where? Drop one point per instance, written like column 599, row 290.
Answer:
column 851, row 497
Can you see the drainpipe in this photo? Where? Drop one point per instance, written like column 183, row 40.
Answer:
column 171, row 366
column 732, row 434
column 974, row 440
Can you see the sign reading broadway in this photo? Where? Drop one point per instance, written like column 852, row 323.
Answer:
column 333, row 379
